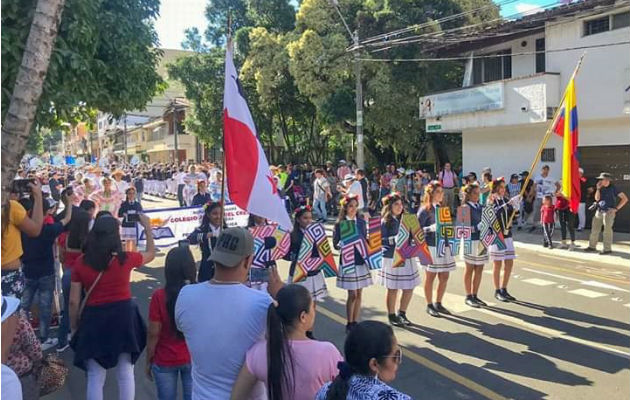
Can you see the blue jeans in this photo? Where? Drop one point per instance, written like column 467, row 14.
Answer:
column 64, row 325
column 166, row 381
column 319, row 206
column 46, row 287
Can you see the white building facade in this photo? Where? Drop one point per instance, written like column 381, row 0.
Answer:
column 515, row 89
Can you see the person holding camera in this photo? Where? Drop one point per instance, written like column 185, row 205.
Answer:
column 606, row 205
column 14, row 222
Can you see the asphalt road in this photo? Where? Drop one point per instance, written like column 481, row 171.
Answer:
column 568, row 336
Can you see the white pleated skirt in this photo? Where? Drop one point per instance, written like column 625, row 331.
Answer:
column 501, row 255
column 316, row 285
column 406, row 276
column 474, row 258
column 445, row 263
column 360, row 278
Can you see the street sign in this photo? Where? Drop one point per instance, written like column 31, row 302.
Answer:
column 434, row 128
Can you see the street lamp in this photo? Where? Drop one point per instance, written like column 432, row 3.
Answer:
column 354, row 36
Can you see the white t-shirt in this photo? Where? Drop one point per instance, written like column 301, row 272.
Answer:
column 545, row 186
column 220, row 323
column 11, row 386
column 356, row 188
column 319, row 188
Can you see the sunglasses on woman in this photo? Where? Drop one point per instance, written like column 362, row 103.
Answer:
column 397, row 356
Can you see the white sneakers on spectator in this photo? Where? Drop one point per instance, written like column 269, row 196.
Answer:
column 49, row 344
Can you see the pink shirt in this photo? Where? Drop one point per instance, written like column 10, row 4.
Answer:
column 315, row 364
column 447, row 178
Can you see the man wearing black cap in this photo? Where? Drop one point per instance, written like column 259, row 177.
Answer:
column 606, row 201
column 222, row 318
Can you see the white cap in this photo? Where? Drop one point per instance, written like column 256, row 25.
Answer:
column 401, row 170
column 348, row 177
column 342, row 161
column 9, row 306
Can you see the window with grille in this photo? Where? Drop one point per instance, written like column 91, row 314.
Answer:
column 494, row 68
column 548, row 155
column 540, row 55
column 598, row 25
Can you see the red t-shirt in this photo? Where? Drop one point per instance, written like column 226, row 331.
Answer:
column 170, row 350
column 70, row 256
column 546, row 214
column 561, row 202
column 114, row 284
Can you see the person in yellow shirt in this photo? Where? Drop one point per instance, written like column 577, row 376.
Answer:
column 14, row 222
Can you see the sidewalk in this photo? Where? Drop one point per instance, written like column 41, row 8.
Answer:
column 620, row 255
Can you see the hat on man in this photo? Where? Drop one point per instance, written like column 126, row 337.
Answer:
column 9, row 306
column 604, row 175
column 401, row 170
column 232, row 246
column 342, row 161
column 348, row 177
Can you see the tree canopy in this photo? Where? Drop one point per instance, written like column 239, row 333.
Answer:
column 105, row 58
column 299, row 77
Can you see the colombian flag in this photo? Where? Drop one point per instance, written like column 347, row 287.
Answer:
column 567, row 128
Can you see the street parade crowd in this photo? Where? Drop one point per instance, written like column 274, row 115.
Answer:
column 228, row 325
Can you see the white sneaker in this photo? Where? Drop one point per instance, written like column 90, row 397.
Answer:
column 572, row 247
column 49, row 344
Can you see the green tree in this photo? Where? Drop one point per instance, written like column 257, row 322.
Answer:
column 104, row 57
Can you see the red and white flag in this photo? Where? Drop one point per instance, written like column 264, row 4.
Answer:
column 251, row 185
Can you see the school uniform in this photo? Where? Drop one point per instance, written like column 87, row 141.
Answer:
column 476, row 210
column 314, row 282
column 445, row 263
column 200, row 237
column 407, row 276
column 503, row 209
column 360, row 277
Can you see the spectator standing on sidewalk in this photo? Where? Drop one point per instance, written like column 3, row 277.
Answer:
column 449, row 182
column 321, row 195
column 545, row 186
column 168, row 358
column 606, row 195
column 566, row 217
column 219, row 340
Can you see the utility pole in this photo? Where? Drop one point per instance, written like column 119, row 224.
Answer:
column 359, row 102
column 354, row 36
column 125, row 137
column 175, row 142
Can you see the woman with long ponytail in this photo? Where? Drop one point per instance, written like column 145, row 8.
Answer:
column 292, row 366
column 372, row 360
column 167, row 353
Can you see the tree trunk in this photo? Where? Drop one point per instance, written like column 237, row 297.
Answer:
column 28, row 87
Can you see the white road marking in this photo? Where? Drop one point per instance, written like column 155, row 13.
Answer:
column 588, row 293
column 627, row 305
column 591, row 283
column 539, row 282
column 563, row 287
column 617, row 299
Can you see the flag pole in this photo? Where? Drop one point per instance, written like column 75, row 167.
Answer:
column 223, row 171
column 550, row 128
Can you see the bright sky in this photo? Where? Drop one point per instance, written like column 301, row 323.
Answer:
column 178, row 15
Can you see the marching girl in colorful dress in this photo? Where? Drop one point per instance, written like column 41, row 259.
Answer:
column 407, row 276
column 206, row 236
column 503, row 207
column 474, row 261
column 108, row 198
column 315, row 281
column 255, row 283
column 442, row 265
column 352, row 282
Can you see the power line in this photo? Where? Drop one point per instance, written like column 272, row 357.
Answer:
column 444, row 35
column 464, row 58
column 437, row 21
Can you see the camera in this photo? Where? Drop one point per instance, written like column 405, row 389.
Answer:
column 593, row 206
column 21, row 185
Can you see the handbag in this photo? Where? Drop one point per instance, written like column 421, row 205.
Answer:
column 52, row 374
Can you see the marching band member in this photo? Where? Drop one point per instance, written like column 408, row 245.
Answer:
column 406, row 277
column 442, row 265
column 352, row 282
column 474, row 261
